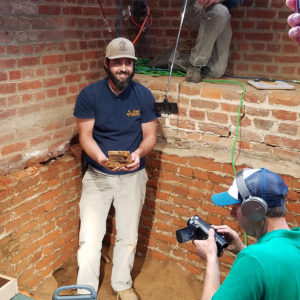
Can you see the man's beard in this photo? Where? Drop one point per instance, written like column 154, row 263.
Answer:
column 120, row 84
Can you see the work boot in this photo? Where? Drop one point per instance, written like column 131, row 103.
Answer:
column 193, row 74
column 127, row 295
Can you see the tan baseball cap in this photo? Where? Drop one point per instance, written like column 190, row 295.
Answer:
column 120, row 47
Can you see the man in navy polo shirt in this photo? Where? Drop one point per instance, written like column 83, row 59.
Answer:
column 115, row 113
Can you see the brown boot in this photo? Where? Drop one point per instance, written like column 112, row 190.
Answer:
column 127, row 295
column 193, row 74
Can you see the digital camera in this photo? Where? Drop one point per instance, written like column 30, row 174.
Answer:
column 198, row 230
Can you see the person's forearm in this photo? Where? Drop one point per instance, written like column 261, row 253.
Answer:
column 212, row 278
column 146, row 146
column 91, row 148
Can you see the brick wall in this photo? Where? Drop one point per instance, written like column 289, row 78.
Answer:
column 49, row 50
column 39, row 220
column 39, row 205
column 39, row 212
column 269, row 120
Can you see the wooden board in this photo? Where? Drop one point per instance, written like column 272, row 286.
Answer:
column 271, row 85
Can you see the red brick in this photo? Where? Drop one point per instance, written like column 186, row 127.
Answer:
column 211, row 91
column 284, row 98
column 29, row 85
column 13, row 148
column 28, row 61
column 289, row 129
column 73, row 78
column 257, row 36
column 3, row 76
column 74, row 57
column 287, row 59
column 49, row 9
column 284, row 115
column 7, row 88
column 217, row 117
column 53, row 59
column 72, row 10
column 14, row 75
column 52, row 82
column 6, row 63
column 282, row 141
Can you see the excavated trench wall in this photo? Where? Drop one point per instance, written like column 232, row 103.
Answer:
column 192, row 159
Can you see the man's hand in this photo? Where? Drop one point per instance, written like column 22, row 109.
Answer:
column 207, row 248
column 207, row 3
column 102, row 159
column 294, row 21
column 232, row 237
column 135, row 157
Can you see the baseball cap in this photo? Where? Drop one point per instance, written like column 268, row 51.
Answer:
column 120, row 47
column 261, row 183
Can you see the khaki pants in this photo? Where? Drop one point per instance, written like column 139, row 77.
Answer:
column 211, row 49
column 99, row 191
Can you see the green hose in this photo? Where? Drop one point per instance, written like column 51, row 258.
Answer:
column 141, row 68
column 239, row 113
column 237, row 125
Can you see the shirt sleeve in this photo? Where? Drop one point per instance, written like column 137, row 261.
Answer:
column 148, row 112
column 245, row 281
column 84, row 107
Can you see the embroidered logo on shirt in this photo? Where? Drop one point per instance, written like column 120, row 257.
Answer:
column 133, row 113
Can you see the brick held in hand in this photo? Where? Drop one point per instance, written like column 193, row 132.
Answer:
column 119, row 156
column 118, row 159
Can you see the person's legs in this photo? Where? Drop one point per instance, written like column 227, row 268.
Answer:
column 95, row 202
column 213, row 41
column 128, row 202
column 214, row 20
column 217, row 64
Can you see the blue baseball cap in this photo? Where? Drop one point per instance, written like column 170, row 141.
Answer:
column 261, row 183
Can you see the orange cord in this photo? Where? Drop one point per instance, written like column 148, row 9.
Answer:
column 142, row 27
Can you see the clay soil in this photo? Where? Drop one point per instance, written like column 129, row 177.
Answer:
column 153, row 280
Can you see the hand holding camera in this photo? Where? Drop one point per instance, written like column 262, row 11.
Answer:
column 197, row 229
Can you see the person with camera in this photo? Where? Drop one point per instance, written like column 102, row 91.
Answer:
column 113, row 114
column 268, row 269
column 294, row 21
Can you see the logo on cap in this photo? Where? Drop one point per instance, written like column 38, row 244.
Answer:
column 123, row 46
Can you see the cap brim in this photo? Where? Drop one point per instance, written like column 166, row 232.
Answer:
column 122, row 56
column 223, row 199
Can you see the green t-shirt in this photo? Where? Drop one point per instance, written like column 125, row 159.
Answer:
column 269, row 269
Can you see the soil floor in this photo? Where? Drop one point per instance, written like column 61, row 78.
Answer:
column 153, row 280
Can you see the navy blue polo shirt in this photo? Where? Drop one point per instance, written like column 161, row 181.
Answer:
column 118, row 119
